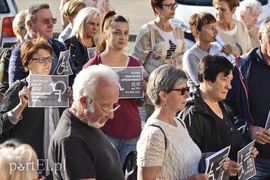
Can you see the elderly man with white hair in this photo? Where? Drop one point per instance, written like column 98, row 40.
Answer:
column 79, row 149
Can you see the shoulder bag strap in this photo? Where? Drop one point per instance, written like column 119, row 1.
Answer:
column 162, row 132
column 152, row 37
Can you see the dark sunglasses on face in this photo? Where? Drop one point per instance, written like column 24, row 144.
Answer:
column 181, row 90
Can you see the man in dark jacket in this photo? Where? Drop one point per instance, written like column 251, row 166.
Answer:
column 250, row 97
column 39, row 21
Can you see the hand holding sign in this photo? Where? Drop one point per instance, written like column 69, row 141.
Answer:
column 221, row 43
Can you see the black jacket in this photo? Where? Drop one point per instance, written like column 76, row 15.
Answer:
column 202, row 127
column 78, row 52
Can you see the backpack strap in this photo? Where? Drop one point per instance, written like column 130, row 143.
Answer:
column 162, row 132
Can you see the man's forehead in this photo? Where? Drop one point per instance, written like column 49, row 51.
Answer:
column 44, row 13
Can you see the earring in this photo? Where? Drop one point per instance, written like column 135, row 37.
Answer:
column 164, row 105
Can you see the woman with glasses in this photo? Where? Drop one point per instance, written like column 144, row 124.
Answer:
column 30, row 125
column 165, row 150
column 83, row 36
column 209, row 120
column 160, row 40
column 125, row 127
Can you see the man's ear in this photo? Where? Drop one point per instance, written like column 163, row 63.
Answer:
column 84, row 102
column 29, row 24
column 260, row 37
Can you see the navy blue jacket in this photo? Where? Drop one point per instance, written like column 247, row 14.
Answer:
column 239, row 97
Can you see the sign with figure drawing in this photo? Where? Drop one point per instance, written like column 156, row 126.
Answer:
column 48, row 91
column 247, row 163
column 130, row 82
column 214, row 164
column 63, row 66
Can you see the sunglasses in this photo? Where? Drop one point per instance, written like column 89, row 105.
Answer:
column 182, row 90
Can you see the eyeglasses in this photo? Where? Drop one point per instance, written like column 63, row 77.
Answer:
column 182, row 90
column 171, row 6
column 107, row 111
column 43, row 59
column 48, row 21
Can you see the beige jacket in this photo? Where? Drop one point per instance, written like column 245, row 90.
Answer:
column 253, row 34
column 143, row 43
column 240, row 40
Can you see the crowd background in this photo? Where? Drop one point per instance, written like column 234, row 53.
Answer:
column 89, row 104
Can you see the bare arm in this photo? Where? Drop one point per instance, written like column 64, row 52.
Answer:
column 148, row 173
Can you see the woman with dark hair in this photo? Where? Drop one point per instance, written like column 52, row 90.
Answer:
column 209, row 120
column 203, row 26
column 160, row 40
column 125, row 128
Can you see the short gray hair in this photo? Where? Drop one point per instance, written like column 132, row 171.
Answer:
column 263, row 26
column 87, row 80
column 33, row 9
column 164, row 78
column 246, row 6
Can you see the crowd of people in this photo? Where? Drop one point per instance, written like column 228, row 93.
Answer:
column 197, row 100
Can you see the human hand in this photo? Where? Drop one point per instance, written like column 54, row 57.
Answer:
column 228, row 49
column 254, row 152
column 198, row 177
column 226, row 164
column 156, row 54
column 234, row 168
column 144, row 86
column 70, row 95
column 169, row 61
column 24, row 95
column 261, row 135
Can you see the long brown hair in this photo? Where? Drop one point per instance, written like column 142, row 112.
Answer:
column 108, row 19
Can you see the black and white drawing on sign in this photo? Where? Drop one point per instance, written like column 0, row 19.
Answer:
column 267, row 124
column 248, row 169
column 130, row 82
column 48, row 91
column 63, row 66
column 214, row 163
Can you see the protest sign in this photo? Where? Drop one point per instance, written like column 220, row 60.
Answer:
column 48, row 91
column 63, row 65
column 214, row 164
column 130, row 82
column 248, row 169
